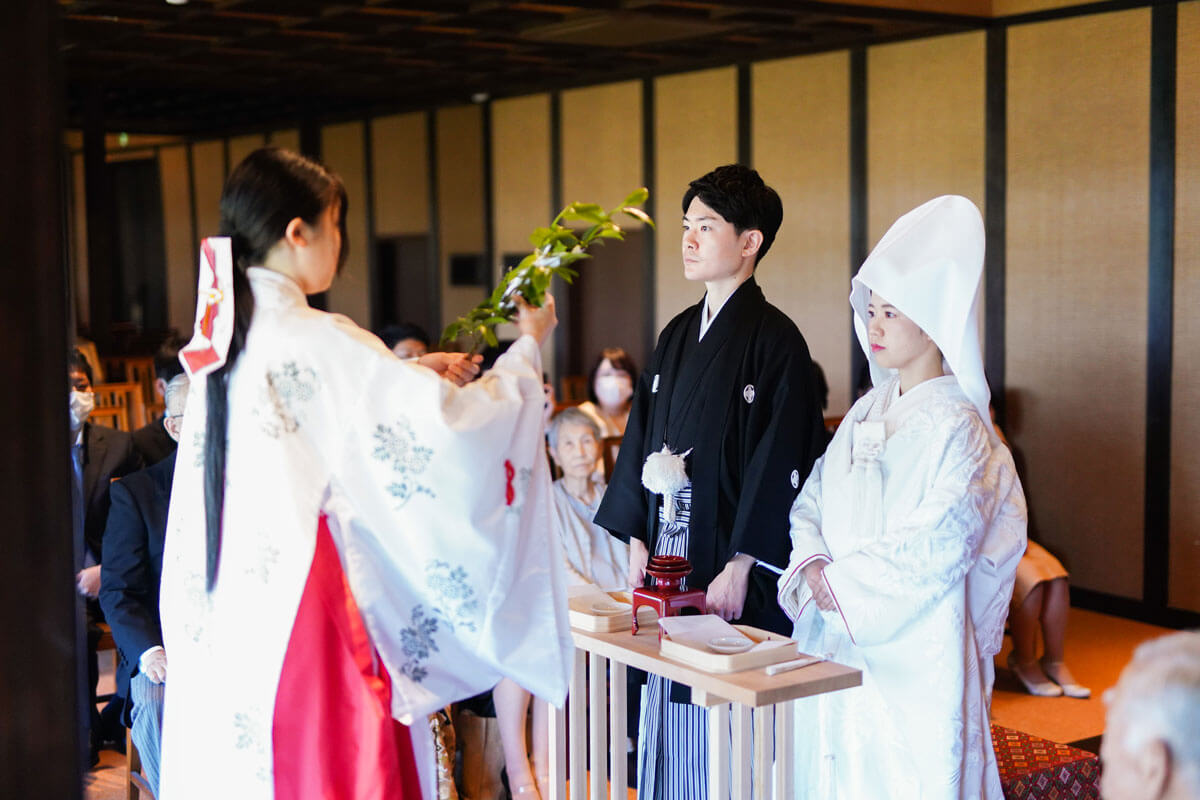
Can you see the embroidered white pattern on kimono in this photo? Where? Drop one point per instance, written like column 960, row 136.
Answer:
column 900, row 504
column 457, row 584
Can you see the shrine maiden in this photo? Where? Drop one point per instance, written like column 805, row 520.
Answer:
column 906, row 537
column 353, row 540
column 731, row 395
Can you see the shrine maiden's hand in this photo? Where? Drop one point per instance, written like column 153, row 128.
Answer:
column 537, row 322
column 458, row 368
column 814, row 575
column 87, row 582
column 155, row 666
column 726, row 595
column 638, row 556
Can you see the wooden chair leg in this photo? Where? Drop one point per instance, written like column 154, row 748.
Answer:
column 136, row 787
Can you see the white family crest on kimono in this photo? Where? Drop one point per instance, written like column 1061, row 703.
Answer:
column 918, row 511
column 457, row 584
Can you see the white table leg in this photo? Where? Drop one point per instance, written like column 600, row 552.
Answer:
column 784, row 733
column 578, row 725
column 741, row 755
column 597, row 724
column 618, row 772
column 556, row 719
column 718, row 751
column 764, row 723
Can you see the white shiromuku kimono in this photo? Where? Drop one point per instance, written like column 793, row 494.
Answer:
column 899, row 505
column 386, row 550
column 917, row 508
column 592, row 554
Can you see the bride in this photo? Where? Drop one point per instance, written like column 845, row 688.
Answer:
column 907, row 534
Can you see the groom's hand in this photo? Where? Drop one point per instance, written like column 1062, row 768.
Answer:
column 726, row 595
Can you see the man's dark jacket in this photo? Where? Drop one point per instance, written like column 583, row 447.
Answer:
column 132, row 564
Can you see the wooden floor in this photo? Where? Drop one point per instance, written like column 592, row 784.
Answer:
column 1098, row 647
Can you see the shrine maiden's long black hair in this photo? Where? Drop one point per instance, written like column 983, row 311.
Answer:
column 265, row 192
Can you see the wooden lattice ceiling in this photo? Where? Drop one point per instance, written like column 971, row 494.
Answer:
column 223, row 65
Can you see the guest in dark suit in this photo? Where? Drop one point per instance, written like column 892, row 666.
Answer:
column 152, row 441
column 98, row 454
column 132, row 569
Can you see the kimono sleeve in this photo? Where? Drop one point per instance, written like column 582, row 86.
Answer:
column 623, row 511
column 784, row 436
column 807, row 544
column 441, row 508
column 885, row 586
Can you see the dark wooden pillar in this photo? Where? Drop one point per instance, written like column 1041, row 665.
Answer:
column 99, row 221
column 39, row 733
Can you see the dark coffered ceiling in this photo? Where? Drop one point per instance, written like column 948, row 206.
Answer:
column 223, row 65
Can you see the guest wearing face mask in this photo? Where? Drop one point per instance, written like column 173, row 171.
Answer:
column 98, row 454
column 610, row 387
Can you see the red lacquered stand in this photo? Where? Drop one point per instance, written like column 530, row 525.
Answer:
column 665, row 596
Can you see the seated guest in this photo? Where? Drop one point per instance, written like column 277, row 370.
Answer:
column 907, row 533
column 593, row 555
column 133, row 547
column 1151, row 744
column 98, row 454
column 1041, row 602
column 610, row 391
column 152, row 441
column 406, row 340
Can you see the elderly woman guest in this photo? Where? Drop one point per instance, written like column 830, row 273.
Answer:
column 592, row 556
column 907, row 534
column 610, row 391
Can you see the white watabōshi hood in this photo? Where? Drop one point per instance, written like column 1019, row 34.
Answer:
column 929, row 265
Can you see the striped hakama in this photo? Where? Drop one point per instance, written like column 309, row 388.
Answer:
column 672, row 737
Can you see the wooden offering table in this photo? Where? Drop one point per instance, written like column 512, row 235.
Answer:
column 604, row 657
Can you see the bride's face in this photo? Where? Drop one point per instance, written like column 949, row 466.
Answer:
column 896, row 341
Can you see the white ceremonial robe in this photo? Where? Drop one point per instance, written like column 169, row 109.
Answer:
column 592, row 554
column 437, row 499
column 920, row 513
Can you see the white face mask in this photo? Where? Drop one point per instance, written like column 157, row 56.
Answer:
column 613, row 390
column 82, row 404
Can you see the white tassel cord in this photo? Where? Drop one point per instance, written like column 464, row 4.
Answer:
column 665, row 473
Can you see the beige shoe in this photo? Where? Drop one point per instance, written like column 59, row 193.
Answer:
column 1057, row 671
column 1032, row 677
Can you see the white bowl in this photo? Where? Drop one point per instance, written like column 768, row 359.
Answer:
column 730, row 644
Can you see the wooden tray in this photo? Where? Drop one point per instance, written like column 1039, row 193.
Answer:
column 580, row 615
column 716, row 663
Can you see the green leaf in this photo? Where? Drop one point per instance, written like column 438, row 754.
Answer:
column 637, row 198
column 637, row 213
column 613, row 233
column 489, row 336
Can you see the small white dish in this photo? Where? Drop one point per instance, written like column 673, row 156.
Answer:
column 730, row 644
column 608, row 608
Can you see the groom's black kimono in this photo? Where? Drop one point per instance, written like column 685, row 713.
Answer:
column 745, row 400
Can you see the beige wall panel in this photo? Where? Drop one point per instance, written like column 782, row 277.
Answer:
column 520, row 173
column 460, row 200
column 1184, row 587
column 925, row 125
column 287, row 139
column 520, row 184
column 79, row 251
column 695, row 130
column 1078, row 152
column 178, row 238
column 208, row 177
column 242, row 146
column 801, row 129
column 602, row 144
column 400, row 157
column 342, row 150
